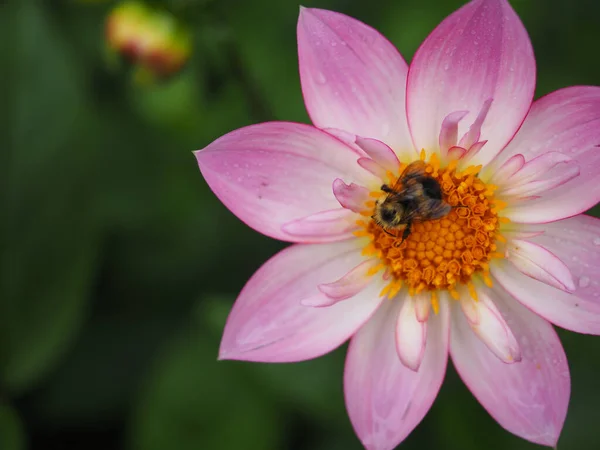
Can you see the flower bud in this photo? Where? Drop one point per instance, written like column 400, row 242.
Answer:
column 153, row 40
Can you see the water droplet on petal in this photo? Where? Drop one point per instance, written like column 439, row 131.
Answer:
column 584, row 282
column 596, row 241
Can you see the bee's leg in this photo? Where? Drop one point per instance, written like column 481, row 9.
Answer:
column 385, row 188
column 406, row 232
column 391, row 234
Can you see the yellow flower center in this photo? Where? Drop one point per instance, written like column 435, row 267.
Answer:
column 444, row 253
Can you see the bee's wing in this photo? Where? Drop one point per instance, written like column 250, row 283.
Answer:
column 432, row 208
column 414, row 170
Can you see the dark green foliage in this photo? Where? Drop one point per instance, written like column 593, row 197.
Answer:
column 118, row 265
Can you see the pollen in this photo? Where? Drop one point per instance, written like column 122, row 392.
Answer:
column 446, row 254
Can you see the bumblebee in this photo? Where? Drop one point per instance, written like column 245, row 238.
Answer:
column 415, row 197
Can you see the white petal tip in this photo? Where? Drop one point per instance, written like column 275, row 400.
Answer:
column 318, row 301
column 411, row 364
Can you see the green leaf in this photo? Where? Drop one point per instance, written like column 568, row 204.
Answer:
column 45, row 88
column 49, row 235
column 11, row 429
column 100, row 375
column 192, row 401
column 48, row 268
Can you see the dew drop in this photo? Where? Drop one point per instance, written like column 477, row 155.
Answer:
column 596, row 241
column 584, row 282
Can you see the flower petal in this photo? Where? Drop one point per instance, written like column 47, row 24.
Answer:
column 541, row 174
column 351, row 196
column 449, row 133
column 411, row 335
column 478, row 53
column 379, row 152
column 491, row 328
column 565, row 121
column 570, row 311
column 350, row 284
column 352, row 78
column 385, row 399
column 576, row 242
column 277, row 172
column 507, row 169
column 528, row 398
column 537, row 262
column 371, row 166
column 334, row 224
column 268, row 323
column 474, row 133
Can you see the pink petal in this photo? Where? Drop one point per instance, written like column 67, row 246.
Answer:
column 411, row 336
column 554, row 178
column 565, row 121
column 351, row 196
column 472, row 136
column 449, row 133
column 536, row 166
column 576, row 242
column 335, row 225
column 385, row 399
column 422, row 306
column 561, row 308
column 492, row 329
column 274, row 173
column 371, row 166
column 349, row 285
column 456, row 152
column 536, row 262
column 542, row 173
column 478, row 53
column 352, row 78
column 528, row 398
column 508, row 169
column 268, row 323
column 347, row 138
column 470, row 309
column 474, row 150
column 379, row 152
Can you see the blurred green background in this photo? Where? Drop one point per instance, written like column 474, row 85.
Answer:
column 119, row 266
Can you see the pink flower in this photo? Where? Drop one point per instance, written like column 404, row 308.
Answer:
column 483, row 283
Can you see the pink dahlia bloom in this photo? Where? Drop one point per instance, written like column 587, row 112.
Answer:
column 482, row 284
